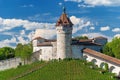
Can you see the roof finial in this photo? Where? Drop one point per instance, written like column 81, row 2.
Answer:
column 64, row 9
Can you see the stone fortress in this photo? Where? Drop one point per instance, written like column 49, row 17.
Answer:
column 64, row 46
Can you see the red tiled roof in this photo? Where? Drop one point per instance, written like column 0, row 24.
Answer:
column 101, row 55
column 64, row 20
column 37, row 38
column 85, row 40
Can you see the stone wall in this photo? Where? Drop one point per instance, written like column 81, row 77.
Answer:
column 9, row 63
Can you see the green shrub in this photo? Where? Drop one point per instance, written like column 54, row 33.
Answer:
column 106, row 66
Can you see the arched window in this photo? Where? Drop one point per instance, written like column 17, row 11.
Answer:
column 94, row 61
column 102, row 65
column 111, row 68
column 85, row 57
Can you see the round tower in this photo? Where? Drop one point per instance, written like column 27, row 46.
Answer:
column 64, row 35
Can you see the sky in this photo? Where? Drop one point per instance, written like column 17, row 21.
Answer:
column 22, row 20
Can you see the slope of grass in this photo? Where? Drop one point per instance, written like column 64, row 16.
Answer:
column 58, row 70
column 67, row 70
column 10, row 73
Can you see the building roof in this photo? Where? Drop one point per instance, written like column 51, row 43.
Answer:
column 46, row 40
column 44, row 44
column 101, row 55
column 100, row 37
column 64, row 20
column 51, row 40
column 85, row 40
column 74, row 42
column 88, row 42
column 37, row 38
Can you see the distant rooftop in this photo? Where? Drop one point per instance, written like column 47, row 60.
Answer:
column 100, row 37
column 44, row 44
column 37, row 38
column 88, row 42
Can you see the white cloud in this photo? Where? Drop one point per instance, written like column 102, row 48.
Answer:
column 8, row 33
column 92, row 28
column 83, row 5
column 93, row 35
column 75, row 20
column 45, row 33
column 30, row 5
column 79, row 23
column 105, row 28
column 74, row 0
column 45, row 17
column 117, row 35
column 22, row 32
column 60, row 3
column 8, row 42
column 31, row 35
column 12, row 40
column 22, row 40
column 116, row 30
column 8, row 24
column 98, row 2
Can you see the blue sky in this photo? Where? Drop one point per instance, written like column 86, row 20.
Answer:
column 19, row 19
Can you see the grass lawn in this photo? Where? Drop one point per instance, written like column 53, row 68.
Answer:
column 8, row 74
column 58, row 70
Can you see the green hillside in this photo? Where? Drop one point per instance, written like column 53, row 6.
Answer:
column 56, row 70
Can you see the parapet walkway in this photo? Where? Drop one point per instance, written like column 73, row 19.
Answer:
column 100, row 59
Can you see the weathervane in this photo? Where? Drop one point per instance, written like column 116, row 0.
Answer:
column 64, row 9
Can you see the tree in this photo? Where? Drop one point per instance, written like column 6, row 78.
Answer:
column 6, row 53
column 108, row 50
column 18, row 50
column 113, row 48
column 2, row 55
column 24, row 51
column 115, row 45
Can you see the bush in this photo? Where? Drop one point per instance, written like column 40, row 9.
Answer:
column 106, row 66
column 67, row 59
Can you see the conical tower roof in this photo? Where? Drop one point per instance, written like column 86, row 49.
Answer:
column 64, row 20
